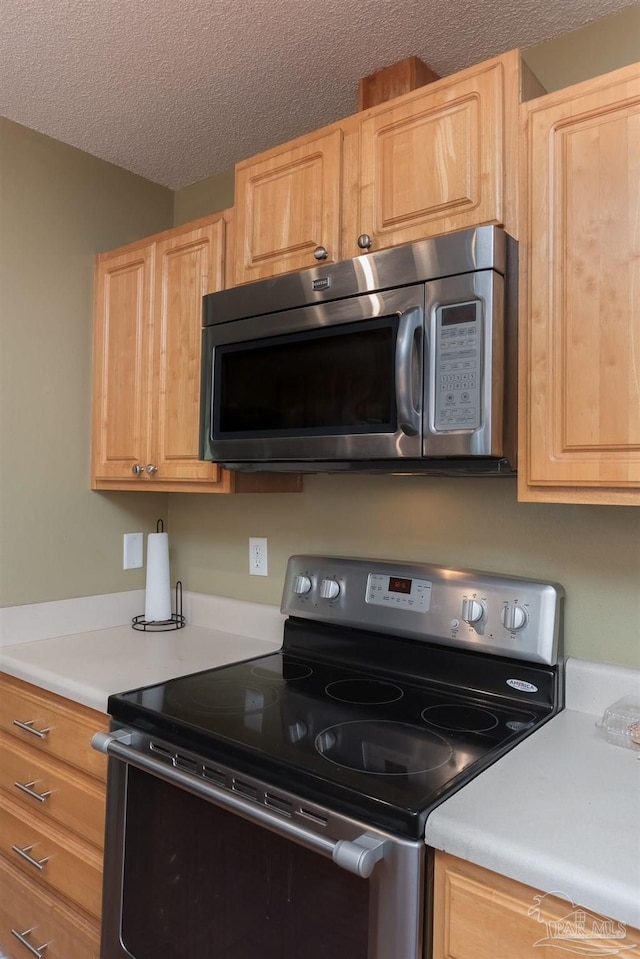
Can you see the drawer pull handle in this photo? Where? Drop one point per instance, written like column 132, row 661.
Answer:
column 24, row 852
column 22, row 937
column 28, row 727
column 26, row 788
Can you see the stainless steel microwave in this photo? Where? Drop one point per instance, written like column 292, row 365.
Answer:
column 398, row 361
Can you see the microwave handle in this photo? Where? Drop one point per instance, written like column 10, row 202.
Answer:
column 409, row 339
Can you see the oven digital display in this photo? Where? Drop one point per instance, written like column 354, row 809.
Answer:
column 399, row 592
column 398, row 585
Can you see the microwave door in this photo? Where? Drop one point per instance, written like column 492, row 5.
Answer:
column 339, row 384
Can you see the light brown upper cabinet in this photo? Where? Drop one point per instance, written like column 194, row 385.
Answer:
column 147, row 347
column 580, row 294
column 440, row 158
column 288, row 207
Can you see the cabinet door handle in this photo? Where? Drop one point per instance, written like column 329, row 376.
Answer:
column 26, row 788
column 28, row 727
column 24, row 852
column 321, row 253
column 22, row 937
column 151, row 469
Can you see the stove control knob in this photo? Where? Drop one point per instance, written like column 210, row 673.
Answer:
column 513, row 617
column 472, row 610
column 329, row 589
column 302, row 585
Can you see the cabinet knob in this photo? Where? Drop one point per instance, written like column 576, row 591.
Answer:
column 137, row 470
column 151, row 469
column 321, row 253
column 364, row 241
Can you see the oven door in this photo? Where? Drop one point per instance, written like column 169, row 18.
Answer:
column 330, row 381
column 202, row 862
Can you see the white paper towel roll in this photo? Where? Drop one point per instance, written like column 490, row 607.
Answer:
column 157, row 600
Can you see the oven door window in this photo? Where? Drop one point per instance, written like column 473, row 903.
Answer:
column 330, row 381
column 202, row 882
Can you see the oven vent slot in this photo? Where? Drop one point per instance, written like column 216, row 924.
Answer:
column 214, row 775
column 162, row 752
column 244, row 789
column 306, row 814
column 281, row 805
column 181, row 762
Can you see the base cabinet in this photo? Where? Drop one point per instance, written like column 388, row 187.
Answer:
column 479, row 914
column 52, row 801
column 580, row 294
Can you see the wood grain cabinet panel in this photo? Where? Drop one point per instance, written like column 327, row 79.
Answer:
column 67, row 796
column 433, row 161
column 146, row 367
column 51, row 856
column 481, row 915
column 50, row 847
column 40, row 919
column 123, row 298
column 288, row 207
column 51, row 724
column 440, row 158
column 580, row 362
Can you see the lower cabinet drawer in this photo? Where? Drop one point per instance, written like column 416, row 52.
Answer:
column 55, row 791
column 50, row 857
column 31, row 918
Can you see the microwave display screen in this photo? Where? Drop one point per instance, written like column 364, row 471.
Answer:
column 331, row 381
column 461, row 313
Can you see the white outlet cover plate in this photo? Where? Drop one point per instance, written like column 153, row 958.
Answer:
column 132, row 551
column 258, row 556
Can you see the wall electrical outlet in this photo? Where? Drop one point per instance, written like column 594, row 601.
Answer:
column 258, row 555
column 132, row 551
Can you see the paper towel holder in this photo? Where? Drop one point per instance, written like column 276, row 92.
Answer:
column 177, row 620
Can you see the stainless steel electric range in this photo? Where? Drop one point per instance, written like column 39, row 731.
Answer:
column 277, row 806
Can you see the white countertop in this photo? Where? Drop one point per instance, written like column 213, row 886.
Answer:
column 88, row 667
column 560, row 812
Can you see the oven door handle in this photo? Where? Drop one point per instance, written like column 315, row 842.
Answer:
column 358, row 856
column 408, row 372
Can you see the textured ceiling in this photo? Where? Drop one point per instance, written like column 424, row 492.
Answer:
column 177, row 90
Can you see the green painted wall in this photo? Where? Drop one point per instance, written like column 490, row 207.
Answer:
column 58, row 207
column 59, row 539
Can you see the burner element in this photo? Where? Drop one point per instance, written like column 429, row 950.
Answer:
column 224, row 696
column 364, row 692
column 283, row 670
column 460, row 718
column 383, row 748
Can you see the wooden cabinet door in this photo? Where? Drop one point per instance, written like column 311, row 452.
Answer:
column 580, row 428
column 479, row 914
column 123, row 302
column 44, row 923
column 433, row 161
column 288, row 203
column 188, row 265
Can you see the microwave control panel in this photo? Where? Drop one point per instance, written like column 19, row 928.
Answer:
column 458, row 369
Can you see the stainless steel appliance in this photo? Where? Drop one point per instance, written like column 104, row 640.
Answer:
column 277, row 806
column 397, row 361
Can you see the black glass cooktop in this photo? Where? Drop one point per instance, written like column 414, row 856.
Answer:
column 383, row 744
